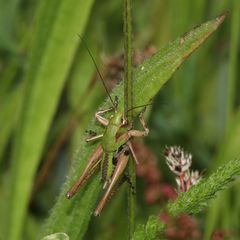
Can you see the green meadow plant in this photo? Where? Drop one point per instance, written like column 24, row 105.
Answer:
column 49, row 92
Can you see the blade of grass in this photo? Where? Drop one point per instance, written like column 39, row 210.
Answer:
column 228, row 149
column 8, row 74
column 53, row 50
column 9, row 114
column 232, row 71
column 229, row 146
column 83, row 74
column 8, row 14
column 82, row 96
column 227, row 222
column 148, row 79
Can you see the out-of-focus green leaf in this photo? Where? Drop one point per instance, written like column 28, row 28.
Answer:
column 55, row 41
column 219, row 213
column 233, row 61
column 56, row 236
column 8, row 14
column 9, row 113
column 67, row 216
column 8, row 74
column 81, row 76
column 150, row 231
column 229, row 149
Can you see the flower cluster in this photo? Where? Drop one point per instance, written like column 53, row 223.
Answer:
column 157, row 191
column 179, row 163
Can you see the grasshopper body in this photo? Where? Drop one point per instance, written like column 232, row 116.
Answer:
column 109, row 141
column 110, row 144
column 117, row 135
column 113, row 151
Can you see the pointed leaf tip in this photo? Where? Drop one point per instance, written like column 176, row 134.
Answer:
column 222, row 17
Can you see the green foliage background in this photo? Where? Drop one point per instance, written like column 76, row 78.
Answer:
column 46, row 77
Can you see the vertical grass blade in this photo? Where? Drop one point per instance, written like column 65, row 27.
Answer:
column 234, row 47
column 229, row 149
column 54, row 45
column 9, row 115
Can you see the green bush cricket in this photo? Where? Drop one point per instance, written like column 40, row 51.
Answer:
column 117, row 134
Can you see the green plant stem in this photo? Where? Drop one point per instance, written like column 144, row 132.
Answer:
column 128, row 103
column 127, row 18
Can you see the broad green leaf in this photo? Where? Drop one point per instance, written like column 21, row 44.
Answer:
column 54, row 45
column 68, row 215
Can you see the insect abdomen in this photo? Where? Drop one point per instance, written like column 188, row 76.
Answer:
column 109, row 139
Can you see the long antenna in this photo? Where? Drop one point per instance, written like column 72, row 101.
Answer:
column 85, row 44
column 149, row 104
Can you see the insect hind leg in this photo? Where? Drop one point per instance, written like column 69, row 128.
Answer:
column 119, row 169
column 105, row 169
column 88, row 171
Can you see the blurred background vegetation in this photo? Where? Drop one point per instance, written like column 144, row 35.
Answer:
column 49, row 91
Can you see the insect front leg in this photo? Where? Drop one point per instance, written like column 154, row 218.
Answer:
column 122, row 139
column 120, row 167
column 102, row 120
column 138, row 133
column 88, row 171
column 125, row 137
column 98, row 115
